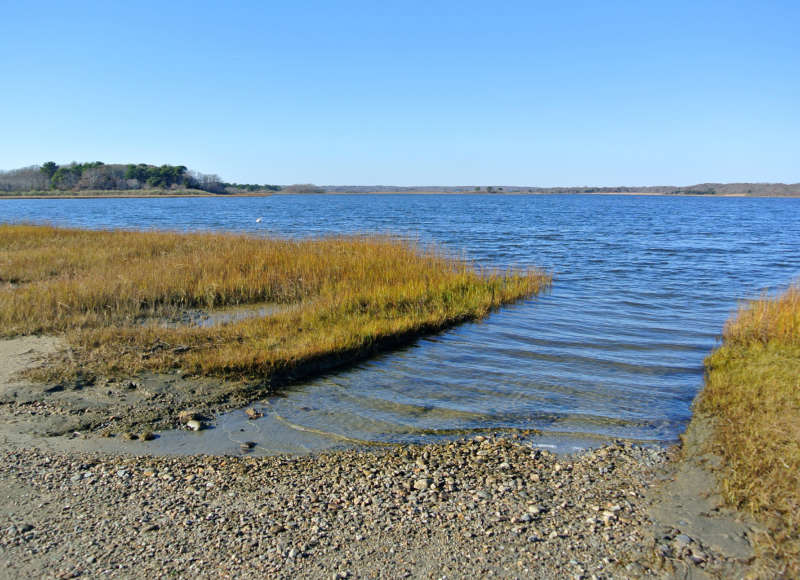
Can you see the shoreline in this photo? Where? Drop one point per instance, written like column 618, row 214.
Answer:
column 621, row 510
column 467, row 508
column 471, row 507
column 420, row 192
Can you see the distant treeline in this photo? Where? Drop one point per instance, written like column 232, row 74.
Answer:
column 118, row 177
column 99, row 176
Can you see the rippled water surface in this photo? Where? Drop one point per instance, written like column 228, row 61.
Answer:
column 642, row 288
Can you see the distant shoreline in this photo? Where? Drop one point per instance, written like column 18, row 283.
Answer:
column 522, row 193
column 130, row 195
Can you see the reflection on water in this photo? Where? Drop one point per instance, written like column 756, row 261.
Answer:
column 643, row 286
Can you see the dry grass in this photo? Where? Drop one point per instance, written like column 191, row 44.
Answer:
column 353, row 295
column 753, row 392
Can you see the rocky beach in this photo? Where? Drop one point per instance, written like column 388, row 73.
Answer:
column 487, row 506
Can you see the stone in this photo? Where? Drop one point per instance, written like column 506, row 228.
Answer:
column 423, row 483
column 698, row 556
column 682, row 540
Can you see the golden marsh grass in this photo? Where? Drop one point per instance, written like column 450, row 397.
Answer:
column 351, row 296
column 753, row 392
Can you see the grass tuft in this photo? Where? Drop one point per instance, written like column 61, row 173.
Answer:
column 347, row 297
column 753, row 393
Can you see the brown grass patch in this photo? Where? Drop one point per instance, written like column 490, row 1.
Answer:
column 353, row 295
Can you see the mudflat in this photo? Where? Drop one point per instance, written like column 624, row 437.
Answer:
column 104, row 408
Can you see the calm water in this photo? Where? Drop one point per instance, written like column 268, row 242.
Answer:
column 643, row 286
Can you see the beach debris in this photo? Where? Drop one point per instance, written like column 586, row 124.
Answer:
column 253, row 414
column 186, row 416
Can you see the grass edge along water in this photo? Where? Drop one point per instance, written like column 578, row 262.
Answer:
column 752, row 395
column 347, row 297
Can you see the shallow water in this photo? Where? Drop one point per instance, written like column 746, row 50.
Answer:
column 643, row 286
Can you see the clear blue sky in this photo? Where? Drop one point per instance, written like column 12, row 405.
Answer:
column 408, row 93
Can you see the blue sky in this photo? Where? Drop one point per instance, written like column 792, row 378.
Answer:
column 409, row 93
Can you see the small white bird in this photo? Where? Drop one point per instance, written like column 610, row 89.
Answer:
column 258, row 221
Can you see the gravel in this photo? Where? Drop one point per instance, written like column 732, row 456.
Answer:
column 472, row 508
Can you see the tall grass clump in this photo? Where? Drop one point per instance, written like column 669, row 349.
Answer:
column 346, row 297
column 752, row 393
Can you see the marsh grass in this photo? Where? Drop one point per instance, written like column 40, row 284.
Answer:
column 352, row 296
column 753, row 392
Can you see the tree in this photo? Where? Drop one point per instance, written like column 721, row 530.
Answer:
column 24, row 179
column 66, row 177
column 138, row 172
column 49, row 168
column 102, row 177
column 98, row 175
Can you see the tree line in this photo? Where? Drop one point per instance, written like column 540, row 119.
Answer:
column 97, row 175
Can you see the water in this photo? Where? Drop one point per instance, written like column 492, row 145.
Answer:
column 642, row 288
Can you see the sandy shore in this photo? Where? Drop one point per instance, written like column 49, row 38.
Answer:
column 489, row 506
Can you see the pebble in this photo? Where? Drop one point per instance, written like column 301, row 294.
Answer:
column 422, row 483
column 682, row 540
column 414, row 511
